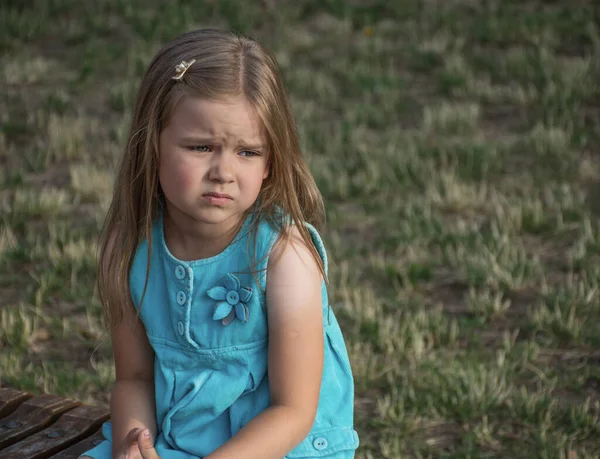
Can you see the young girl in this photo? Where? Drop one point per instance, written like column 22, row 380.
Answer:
column 212, row 275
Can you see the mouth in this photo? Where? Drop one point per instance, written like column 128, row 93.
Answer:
column 217, row 199
column 217, row 195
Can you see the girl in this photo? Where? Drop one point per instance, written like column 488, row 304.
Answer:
column 212, row 275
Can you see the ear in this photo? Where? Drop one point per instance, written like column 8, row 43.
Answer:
column 267, row 171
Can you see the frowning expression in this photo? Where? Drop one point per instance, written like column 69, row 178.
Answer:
column 213, row 159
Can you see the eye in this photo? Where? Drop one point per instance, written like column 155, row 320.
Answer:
column 248, row 153
column 200, row 148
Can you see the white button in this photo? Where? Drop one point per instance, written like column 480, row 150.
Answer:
column 179, row 272
column 320, row 443
column 181, row 297
column 180, row 328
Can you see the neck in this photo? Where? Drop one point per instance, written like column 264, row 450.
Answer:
column 189, row 240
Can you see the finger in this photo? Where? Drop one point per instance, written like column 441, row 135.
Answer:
column 129, row 440
column 146, row 445
column 134, row 451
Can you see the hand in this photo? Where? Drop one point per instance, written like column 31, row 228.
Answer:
column 137, row 446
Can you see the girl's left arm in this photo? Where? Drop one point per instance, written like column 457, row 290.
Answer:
column 295, row 357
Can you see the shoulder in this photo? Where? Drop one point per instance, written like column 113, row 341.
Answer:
column 285, row 246
column 293, row 256
column 294, row 277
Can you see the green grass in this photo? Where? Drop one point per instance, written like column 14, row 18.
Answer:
column 456, row 144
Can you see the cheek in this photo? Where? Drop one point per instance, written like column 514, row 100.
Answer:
column 177, row 174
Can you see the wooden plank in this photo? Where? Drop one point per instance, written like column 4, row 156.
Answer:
column 32, row 416
column 70, row 428
column 84, row 445
column 10, row 399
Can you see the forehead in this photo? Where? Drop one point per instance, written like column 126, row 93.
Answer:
column 232, row 118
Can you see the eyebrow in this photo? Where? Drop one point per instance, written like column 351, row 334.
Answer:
column 200, row 140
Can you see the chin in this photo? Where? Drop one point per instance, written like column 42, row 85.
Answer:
column 214, row 215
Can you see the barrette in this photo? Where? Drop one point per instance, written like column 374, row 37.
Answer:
column 182, row 68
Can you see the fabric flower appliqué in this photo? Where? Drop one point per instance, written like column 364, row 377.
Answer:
column 232, row 299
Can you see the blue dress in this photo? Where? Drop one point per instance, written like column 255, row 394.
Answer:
column 207, row 323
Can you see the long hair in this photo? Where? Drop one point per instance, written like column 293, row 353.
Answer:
column 225, row 65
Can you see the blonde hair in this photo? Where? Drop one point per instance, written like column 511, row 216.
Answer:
column 225, row 65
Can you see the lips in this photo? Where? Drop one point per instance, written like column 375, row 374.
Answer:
column 218, row 195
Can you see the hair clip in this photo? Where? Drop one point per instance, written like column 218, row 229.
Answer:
column 182, row 68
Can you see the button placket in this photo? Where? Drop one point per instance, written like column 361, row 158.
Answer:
column 181, row 296
column 181, row 300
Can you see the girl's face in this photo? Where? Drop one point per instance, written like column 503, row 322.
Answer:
column 212, row 160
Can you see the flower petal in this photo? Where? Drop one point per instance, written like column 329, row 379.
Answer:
column 241, row 312
column 222, row 309
column 217, row 293
column 231, row 282
column 245, row 294
column 227, row 320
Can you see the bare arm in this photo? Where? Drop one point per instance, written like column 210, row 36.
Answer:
column 132, row 402
column 295, row 358
column 132, row 398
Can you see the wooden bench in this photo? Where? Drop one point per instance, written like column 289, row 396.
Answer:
column 47, row 426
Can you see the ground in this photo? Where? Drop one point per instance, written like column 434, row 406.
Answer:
column 456, row 145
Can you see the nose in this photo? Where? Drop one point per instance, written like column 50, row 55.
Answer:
column 222, row 168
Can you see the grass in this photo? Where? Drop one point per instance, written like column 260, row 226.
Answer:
column 456, row 144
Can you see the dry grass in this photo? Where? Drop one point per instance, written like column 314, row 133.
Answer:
column 457, row 149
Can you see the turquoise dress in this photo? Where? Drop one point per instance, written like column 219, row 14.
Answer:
column 207, row 323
